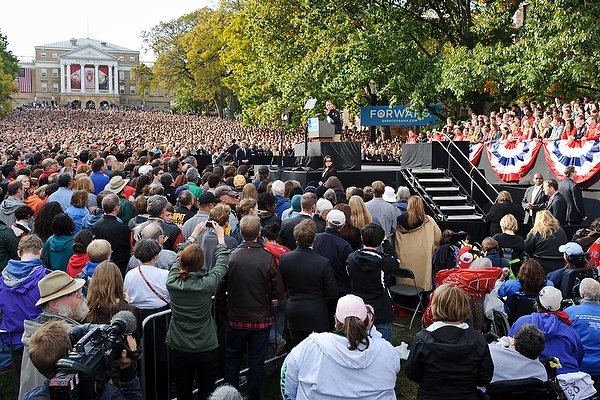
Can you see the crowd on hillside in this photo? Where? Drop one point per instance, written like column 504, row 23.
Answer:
column 106, row 212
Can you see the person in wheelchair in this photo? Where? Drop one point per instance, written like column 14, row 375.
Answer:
column 585, row 317
column 562, row 341
column 576, row 261
column 518, row 357
column 530, row 280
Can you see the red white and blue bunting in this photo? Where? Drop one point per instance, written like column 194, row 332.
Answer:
column 475, row 150
column 512, row 160
column 584, row 156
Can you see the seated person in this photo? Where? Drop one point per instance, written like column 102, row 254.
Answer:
column 585, row 318
column 491, row 250
column 519, row 360
column 530, row 280
column 48, row 344
column 562, row 341
column 575, row 258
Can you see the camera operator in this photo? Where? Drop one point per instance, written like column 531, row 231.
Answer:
column 51, row 342
column 60, row 298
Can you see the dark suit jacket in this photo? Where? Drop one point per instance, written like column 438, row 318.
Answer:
column 118, row 235
column 239, row 155
column 286, row 233
column 539, row 203
column 572, row 194
column 558, row 208
column 309, row 282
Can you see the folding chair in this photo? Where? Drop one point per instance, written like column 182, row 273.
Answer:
column 518, row 307
column 408, row 290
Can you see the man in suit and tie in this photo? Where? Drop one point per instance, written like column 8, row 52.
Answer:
column 572, row 194
column 242, row 155
column 535, row 199
column 557, row 204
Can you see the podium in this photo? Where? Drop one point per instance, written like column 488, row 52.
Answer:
column 320, row 131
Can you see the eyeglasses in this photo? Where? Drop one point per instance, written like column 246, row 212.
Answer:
column 328, row 161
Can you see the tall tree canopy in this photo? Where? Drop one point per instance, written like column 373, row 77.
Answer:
column 9, row 68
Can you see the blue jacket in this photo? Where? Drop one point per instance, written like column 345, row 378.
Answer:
column 331, row 245
column 281, row 205
column 77, row 214
column 496, row 260
column 585, row 322
column 18, row 294
column 512, row 287
column 562, row 341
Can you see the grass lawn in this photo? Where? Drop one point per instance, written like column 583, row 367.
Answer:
column 405, row 389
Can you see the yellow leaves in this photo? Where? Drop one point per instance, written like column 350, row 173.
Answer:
column 489, row 87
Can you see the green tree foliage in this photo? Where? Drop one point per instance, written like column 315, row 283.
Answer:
column 9, row 68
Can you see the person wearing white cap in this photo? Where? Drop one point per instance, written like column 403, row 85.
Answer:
column 562, row 341
column 336, row 249
column 575, row 259
column 352, row 362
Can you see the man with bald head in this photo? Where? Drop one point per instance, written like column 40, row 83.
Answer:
column 585, row 317
column 535, row 199
column 154, row 231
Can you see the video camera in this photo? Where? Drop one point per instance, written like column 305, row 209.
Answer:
column 89, row 365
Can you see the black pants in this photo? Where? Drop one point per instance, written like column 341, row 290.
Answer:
column 202, row 366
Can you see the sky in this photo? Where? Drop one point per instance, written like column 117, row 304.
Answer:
column 27, row 24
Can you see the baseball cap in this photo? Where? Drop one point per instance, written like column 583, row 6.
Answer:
column 224, row 189
column 207, row 198
column 550, row 298
column 350, row 306
column 144, row 169
column 465, row 257
column 570, row 248
column 336, row 219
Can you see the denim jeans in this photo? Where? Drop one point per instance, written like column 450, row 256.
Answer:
column 201, row 365
column 257, row 342
column 385, row 330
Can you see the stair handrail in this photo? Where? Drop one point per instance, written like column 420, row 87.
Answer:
column 416, row 185
column 473, row 168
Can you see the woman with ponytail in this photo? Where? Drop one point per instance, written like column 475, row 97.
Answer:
column 352, row 362
column 192, row 335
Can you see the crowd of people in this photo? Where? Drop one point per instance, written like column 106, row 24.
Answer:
column 107, row 211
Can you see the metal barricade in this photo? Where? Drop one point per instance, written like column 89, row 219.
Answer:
column 152, row 367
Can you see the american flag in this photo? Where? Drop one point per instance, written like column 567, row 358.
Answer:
column 25, row 80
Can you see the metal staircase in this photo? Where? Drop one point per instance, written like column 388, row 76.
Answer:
column 443, row 195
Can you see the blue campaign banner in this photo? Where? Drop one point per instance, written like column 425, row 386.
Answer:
column 313, row 124
column 395, row 116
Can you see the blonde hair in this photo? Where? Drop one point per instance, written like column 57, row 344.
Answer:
column 545, row 224
column 83, row 182
column 99, row 250
column 359, row 215
column 509, row 222
column 415, row 209
column 504, row 196
column 450, row 303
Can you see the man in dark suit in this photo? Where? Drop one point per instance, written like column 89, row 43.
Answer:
column 309, row 282
column 535, row 199
column 242, row 154
column 572, row 194
column 308, row 203
column 117, row 233
column 557, row 205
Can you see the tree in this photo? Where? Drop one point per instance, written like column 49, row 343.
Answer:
column 9, row 69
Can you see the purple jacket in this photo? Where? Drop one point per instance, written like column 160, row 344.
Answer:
column 18, row 294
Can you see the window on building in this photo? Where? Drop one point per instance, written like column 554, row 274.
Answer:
column 121, row 58
column 44, row 73
column 55, row 72
column 132, row 58
column 54, row 55
column 146, row 93
column 55, row 87
column 44, row 87
column 131, row 89
column 43, row 55
column 121, row 75
column 122, row 89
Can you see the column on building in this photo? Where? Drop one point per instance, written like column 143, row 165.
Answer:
column 68, row 65
column 96, row 81
column 110, row 81
column 116, row 77
column 62, row 77
column 82, row 77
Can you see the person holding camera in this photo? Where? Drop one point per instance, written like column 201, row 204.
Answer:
column 48, row 345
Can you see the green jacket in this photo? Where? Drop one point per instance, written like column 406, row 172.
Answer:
column 196, row 190
column 192, row 326
column 126, row 211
